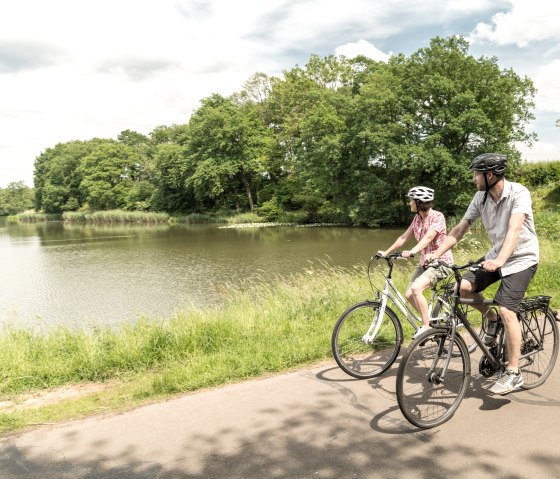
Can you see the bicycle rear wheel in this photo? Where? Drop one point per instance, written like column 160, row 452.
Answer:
column 366, row 358
column 539, row 345
column 428, row 391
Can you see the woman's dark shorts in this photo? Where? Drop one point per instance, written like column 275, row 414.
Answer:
column 511, row 290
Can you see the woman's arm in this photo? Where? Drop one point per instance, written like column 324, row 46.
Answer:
column 402, row 239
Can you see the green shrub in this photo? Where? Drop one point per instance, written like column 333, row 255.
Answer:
column 270, row 210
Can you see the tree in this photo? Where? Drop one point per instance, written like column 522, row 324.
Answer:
column 172, row 170
column 15, row 198
column 228, row 144
column 57, row 176
column 421, row 119
column 113, row 177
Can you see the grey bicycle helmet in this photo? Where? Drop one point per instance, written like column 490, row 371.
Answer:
column 421, row 193
column 494, row 162
column 490, row 162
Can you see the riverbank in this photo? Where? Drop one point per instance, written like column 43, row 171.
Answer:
column 262, row 329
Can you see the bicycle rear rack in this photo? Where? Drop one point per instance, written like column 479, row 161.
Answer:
column 534, row 302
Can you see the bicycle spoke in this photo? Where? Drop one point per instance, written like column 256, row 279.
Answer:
column 358, row 354
column 539, row 347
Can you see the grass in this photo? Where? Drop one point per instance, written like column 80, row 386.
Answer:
column 261, row 330
column 37, row 217
column 116, row 216
column 198, row 218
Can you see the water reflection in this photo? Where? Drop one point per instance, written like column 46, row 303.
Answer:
column 97, row 273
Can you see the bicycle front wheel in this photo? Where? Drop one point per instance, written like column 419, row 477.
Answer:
column 363, row 356
column 432, row 378
column 539, row 346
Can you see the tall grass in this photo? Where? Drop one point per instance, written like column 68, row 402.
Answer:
column 37, row 217
column 116, row 216
column 261, row 328
column 269, row 328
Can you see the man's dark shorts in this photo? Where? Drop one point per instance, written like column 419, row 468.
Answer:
column 511, row 290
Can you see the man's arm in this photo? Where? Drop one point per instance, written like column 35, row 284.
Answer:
column 514, row 228
column 454, row 236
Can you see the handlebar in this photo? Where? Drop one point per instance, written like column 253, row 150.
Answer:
column 394, row 255
column 472, row 265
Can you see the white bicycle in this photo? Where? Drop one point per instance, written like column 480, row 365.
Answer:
column 367, row 337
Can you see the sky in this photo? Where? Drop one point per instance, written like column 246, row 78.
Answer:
column 76, row 70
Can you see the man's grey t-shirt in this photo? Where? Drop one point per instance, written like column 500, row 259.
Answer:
column 495, row 218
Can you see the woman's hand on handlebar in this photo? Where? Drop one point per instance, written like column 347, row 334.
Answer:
column 430, row 258
column 407, row 254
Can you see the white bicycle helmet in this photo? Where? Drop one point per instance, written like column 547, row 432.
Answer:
column 421, row 193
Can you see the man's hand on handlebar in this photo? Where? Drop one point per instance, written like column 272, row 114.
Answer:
column 491, row 265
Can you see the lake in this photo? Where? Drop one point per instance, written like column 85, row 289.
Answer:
column 105, row 274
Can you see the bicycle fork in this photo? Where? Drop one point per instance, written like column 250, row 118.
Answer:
column 377, row 319
column 436, row 375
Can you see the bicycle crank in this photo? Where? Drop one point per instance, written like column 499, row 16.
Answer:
column 485, row 367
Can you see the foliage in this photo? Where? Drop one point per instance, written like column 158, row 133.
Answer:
column 337, row 140
column 538, row 174
column 15, row 198
column 227, row 148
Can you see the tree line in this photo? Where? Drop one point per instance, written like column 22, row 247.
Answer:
column 337, row 140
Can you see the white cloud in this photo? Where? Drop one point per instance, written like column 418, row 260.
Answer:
column 539, row 151
column 362, row 47
column 528, row 21
column 547, row 82
column 77, row 70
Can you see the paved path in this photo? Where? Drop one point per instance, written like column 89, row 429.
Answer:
column 313, row 423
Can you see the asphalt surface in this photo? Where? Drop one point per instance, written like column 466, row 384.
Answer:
column 312, row 423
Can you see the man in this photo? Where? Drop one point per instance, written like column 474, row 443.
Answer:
column 429, row 229
column 506, row 212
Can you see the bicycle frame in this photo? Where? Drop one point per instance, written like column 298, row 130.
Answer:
column 494, row 360
column 390, row 292
column 434, row 372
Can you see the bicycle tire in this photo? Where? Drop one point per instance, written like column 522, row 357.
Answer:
column 423, row 399
column 469, row 341
column 537, row 367
column 361, row 359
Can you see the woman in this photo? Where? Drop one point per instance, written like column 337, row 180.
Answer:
column 429, row 229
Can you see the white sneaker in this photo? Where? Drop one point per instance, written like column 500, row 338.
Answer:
column 420, row 331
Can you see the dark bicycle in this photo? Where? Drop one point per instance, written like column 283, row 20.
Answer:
column 434, row 371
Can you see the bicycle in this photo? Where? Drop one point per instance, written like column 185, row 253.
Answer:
column 367, row 337
column 432, row 379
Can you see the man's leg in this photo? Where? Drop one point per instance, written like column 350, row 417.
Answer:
column 512, row 378
column 467, row 291
column 513, row 337
column 472, row 283
column 509, row 296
